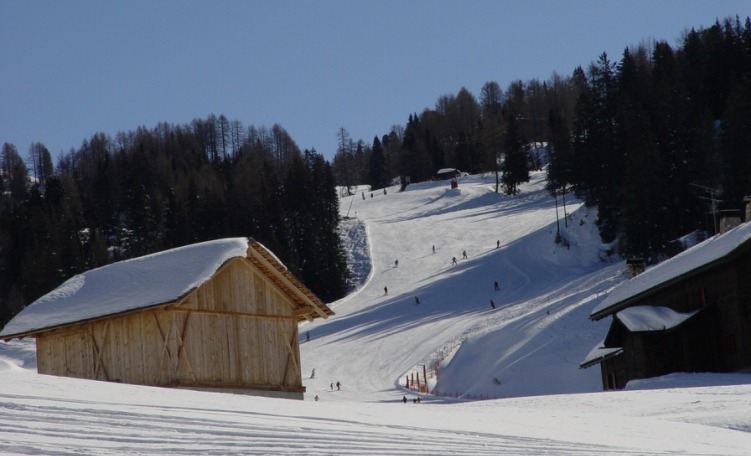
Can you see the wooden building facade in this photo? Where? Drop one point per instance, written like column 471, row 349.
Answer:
column 691, row 313
column 237, row 330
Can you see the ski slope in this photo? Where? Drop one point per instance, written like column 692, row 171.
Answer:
column 522, row 356
column 530, row 344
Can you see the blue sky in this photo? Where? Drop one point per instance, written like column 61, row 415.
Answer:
column 74, row 68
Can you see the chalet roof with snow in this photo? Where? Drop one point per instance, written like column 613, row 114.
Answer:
column 447, row 170
column 445, row 173
column 652, row 318
column 638, row 319
column 694, row 260
column 153, row 280
column 599, row 354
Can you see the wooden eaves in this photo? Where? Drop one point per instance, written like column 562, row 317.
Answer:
column 631, row 300
column 308, row 305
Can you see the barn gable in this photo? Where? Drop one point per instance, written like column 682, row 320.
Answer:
column 231, row 325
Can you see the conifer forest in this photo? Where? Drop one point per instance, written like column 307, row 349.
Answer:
column 658, row 139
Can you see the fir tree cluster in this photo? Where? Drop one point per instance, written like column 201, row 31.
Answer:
column 659, row 142
column 153, row 189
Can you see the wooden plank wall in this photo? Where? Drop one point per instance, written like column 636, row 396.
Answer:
column 240, row 350
column 240, row 287
column 237, row 330
column 65, row 353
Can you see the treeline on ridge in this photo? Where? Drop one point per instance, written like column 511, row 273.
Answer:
column 153, row 189
column 649, row 140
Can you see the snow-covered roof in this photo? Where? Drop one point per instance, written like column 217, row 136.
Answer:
column 652, row 318
column 637, row 319
column 447, row 170
column 137, row 283
column 707, row 252
column 599, row 354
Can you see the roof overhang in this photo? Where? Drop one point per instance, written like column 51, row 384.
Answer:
column 653, row 318
column 308, row 305
column 642, row 295
column 600, row 354
column 34, row 333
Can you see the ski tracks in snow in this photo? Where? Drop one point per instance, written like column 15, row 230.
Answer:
column 32, row 425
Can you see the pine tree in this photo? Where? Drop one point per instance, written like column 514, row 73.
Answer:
column 596, row 160
column 14, row 172
column 559, row 154
column 344, row 161
column 735, row 147
column 312, row 208
column 328, row 273
column 379, row 169
column 515, row 162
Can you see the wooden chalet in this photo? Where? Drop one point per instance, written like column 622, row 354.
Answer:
column 691, row 313
column 216, row 315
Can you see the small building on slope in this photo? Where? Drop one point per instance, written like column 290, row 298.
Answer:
column 220, row 315
column 691, row 313
column 447, row 173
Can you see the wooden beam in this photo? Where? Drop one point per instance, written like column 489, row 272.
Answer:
column 238, row 350
column 286, row 283
column 305, row 315
column 185, row 298
column 291, row 356
column 261, row 261
column 238, row 386
column 239, row 314
column 98, row 351
column 181, row 349
column 165, row 347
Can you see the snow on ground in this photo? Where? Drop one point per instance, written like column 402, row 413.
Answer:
column 525, row 352
column 546, row 294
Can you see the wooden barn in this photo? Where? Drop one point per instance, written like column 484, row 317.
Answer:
column 691, row 313
column 215, row 315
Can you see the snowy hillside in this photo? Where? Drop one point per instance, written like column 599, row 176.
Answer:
column 530, row 344
column 525, row 352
